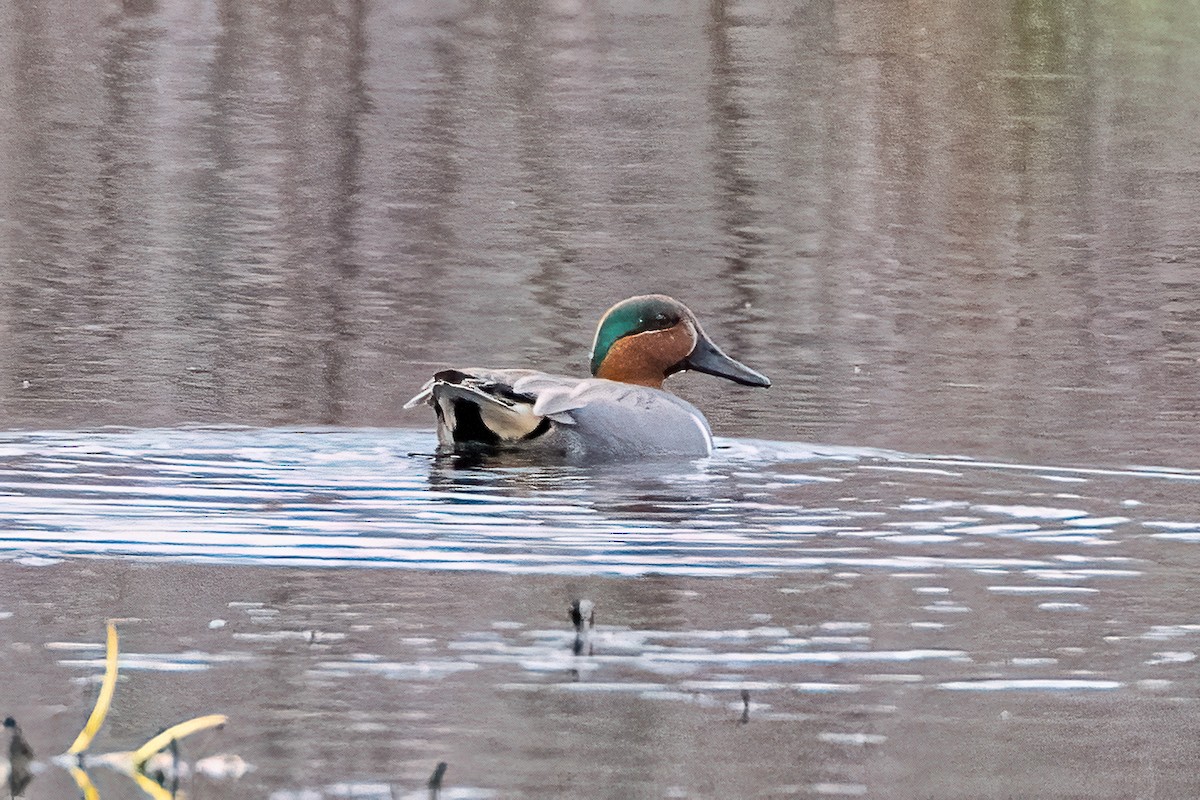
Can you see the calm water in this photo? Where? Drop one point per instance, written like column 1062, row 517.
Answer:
column 950, row 553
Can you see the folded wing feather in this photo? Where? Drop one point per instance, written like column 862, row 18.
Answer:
column 505, row 406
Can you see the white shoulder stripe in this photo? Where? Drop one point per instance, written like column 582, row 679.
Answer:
column 703, row 426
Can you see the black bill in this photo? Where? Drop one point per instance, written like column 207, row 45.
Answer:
column 709, row 358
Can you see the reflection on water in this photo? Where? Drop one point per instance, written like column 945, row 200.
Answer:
column 365, row 611
column 971, row 229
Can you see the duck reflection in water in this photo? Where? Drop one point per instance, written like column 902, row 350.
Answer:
column 623, row 494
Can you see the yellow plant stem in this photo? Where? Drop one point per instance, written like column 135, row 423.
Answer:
column 143, row 753
column 107, row 687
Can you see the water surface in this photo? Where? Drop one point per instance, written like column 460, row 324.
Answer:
column 362, row 610
column 950, row 553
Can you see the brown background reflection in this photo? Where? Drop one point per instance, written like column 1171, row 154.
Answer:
column 964, row 227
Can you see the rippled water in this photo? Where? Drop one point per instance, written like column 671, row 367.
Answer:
column 325, row 497
column 377, row 610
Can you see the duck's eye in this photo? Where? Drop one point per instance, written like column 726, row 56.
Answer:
column 658, row 321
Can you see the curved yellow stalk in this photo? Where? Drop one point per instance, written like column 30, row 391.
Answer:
column 107, row 687
column 172, row 733
column 153, row 789
column 84, row 783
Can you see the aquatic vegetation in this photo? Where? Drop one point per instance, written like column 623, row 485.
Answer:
column 153, row 766
column 104, row 700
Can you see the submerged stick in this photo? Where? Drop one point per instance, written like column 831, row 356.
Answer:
column 435, row 780
column 20, row 757
column 583, row 617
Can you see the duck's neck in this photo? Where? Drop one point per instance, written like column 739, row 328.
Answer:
column 644, row 359
column 629, row 374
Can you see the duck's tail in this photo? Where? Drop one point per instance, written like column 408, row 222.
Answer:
column 476, row 409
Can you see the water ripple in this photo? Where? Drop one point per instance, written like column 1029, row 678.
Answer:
column 337, row 497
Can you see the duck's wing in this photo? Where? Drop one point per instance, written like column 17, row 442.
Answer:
column 488, row 405
column 619, row 420
column 500, row 381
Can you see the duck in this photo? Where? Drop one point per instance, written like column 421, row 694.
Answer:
column 620, row 413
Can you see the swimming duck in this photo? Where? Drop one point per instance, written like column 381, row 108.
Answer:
column 621, row 413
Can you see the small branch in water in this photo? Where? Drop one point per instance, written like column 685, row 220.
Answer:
column 583, row 617
column 20, row 759
column 435, row 780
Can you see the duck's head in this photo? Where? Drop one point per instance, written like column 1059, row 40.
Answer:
column 645, row 339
